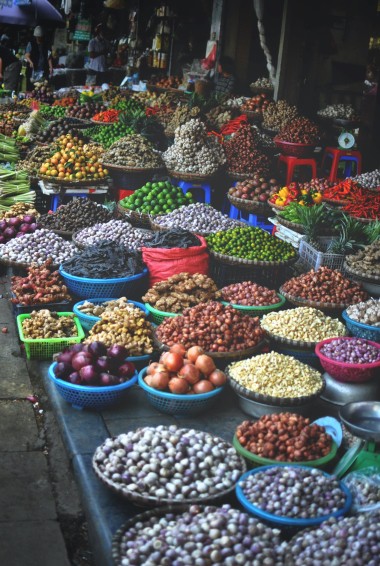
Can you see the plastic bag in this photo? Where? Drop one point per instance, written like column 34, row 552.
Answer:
column 364, row 485
column 208, row 62
column 165, row 262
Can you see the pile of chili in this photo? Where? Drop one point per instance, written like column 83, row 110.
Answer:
column 107, row 116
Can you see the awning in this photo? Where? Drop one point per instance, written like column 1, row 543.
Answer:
column 30, row 14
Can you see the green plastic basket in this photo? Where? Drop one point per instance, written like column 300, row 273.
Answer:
column 159, row 316
column 258, row 311
column 254, row 461
column 43, row 349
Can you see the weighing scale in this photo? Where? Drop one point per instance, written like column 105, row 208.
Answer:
column 346, row 140
column 362, row 419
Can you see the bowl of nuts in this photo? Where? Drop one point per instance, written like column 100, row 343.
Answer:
column 349, row 358
column 300, row 441
column 89, row 310
column 293, row 496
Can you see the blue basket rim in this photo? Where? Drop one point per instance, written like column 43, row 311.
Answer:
column 359, row 324
column 174, row 396
column 91, row 318
column 89, row 388
column 115, row 280
column 284, row 521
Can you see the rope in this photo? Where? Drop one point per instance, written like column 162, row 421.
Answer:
column 258, row 6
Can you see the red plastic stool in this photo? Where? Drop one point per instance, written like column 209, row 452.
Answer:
column 292, row 162
column 350, row 158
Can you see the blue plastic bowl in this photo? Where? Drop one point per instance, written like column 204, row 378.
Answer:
column 285, row 522
column 361, row 330
column 173, row 404
column 83, row 287
column 88, row 320
column 87, row 396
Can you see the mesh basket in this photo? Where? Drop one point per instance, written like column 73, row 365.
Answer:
column 257, row 311
column 361, row 330
column 123, row 286
column 87, row 321
column 271, row 276
column 159, row 316
column 43, row 349
column 88, row 397
column 177, row 404
column 315, row 259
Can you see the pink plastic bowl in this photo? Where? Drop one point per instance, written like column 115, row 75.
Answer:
column 342, row 371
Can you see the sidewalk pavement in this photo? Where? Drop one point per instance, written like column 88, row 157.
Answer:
column 30, row 534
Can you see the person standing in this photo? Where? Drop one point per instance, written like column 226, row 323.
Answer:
column 98, row 48
column 10, row 66
column 38, row 55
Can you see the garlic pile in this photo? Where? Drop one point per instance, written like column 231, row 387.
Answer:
column 342, row 111
column 193, row 151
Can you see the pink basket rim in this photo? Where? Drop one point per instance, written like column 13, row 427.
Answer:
column 346, row 364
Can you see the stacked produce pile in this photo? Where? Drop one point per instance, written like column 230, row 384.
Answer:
column 262, row 82
column 159, row 197
column 196, row 327
column 303, row 324
column 34, row 160
column 181, row 291
column 341, row 111
column 42, row 91
column 58, row 128
column 354, row 351
column 93, row 309
column 243, row 155
column 14, row 188
column 197, row 375
column 73, row 161
column 181, row 115
column 20, row 209
column 366, row 262
column 107, row 135
column 133, row 152
column 248, row 293
column 300, row 131
column 103, row 260
column 37, row 247
column 193, row 151
column 277, row 114
column 118, row 231
column 257, row 104
column 307, row 193
column 256, row 189
column 44, row 324
column 42, row 285
column 367, row 312
column 356, row 200
column 197, row 218
column 86, row 111
column 276, row 375
column 324, row 285
column 94, row 365
column 250, row 244
column 285, row 437
column 32, row 124
column 107, row 116
column 217, row 117
column 15, row 227
column 76, row 215
column 11, row 118
column 368, row 180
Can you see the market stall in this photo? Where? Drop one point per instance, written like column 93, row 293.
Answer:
column 215, row 286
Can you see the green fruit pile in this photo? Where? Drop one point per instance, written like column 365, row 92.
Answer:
column 250, row 243
column 52, row 111
column 160, row 197
column 107, row 135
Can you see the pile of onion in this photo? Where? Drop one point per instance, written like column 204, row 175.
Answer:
column 94, row 364
column 182, row 372
column 16, row 227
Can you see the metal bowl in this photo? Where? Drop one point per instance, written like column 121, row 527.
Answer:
column 362, row 419
column 257, row 410
column 340, row 393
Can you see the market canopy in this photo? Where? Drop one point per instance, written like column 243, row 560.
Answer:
column 28, row 12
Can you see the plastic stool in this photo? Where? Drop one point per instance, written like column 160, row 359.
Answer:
column 350, row 159
column 56, row 198
column 292, row 162
column 205, row 187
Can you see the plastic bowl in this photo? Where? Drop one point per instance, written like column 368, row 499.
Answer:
column 361, row 330
column 294, row 149
column 254, row 460
column 285, row 522
column 88, row 320
column 159, row 316
column 173, row 404
column 345, row 372
column 87, row 396
column 257, row 311
column 83, row 287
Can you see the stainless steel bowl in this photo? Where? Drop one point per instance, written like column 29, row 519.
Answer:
column 257, row 410
column 340, row 393
column 362, row 419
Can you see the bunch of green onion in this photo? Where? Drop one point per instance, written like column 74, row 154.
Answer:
column 8, row 150
column 14, row 187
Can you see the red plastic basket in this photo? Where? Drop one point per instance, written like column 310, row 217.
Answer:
column 294, row 149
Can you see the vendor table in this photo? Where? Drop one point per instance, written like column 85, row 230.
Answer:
column 58, row 192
